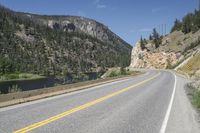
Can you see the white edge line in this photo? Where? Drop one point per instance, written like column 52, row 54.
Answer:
column 164, row 124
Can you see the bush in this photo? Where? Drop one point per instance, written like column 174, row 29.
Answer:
column 113, row 74
column 12, row 76
column 83, row 77
column 24, row 76
column 123, row 71
column 194, row 93
column 196, row 99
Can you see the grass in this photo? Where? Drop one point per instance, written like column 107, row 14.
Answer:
column 192, row 66
column 196, row 99
column 194, row 94
column 19, row 76
column 117, row 72
column 191, row 69
column 180, row 42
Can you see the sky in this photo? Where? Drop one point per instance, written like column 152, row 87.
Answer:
column 130, row 19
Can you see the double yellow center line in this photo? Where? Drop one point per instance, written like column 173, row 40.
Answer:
column 79, row 108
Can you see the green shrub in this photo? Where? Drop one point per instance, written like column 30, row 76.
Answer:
column 196, row 99
column 24, row 76
column 113, row 74
column 12, row 76
column 123, row 71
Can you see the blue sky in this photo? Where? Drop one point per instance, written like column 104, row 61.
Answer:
column 127, row 18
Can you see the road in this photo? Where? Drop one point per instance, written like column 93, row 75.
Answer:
column 154, row 102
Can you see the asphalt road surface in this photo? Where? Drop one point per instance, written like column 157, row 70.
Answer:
column 154, row 102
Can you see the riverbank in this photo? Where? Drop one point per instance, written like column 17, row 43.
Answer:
column 19, row 76
column 27, row 82
column 27, row 96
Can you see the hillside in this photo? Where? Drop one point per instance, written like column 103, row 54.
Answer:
column 171, row 50
column 175, row 48
column 192, row 66
column 56, row 45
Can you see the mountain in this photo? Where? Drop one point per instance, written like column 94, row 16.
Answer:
column 57, row 44
column 173, row 49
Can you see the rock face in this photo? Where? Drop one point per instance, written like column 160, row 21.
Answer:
column 81, row 25
column 147, row 59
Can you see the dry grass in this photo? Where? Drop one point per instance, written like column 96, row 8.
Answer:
column 117, row 72
column 193, row 66
column 179, row 41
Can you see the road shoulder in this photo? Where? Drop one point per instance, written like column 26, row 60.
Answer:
column 183, row 117
column 28, row 96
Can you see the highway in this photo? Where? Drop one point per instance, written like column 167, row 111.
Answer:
column 154, row 102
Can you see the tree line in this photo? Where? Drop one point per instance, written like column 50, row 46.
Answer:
column 189, row 23
column 155, row 37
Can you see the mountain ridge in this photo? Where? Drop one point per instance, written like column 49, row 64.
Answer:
column 49, row 45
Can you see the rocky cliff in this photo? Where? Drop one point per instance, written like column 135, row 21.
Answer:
column 148, row 59
column 79, row 24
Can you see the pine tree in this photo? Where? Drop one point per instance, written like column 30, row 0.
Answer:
column 156, row 38
column 177, row 25
column 142, row 43
column 150, row 37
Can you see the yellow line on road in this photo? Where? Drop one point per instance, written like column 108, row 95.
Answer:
column 79, row 108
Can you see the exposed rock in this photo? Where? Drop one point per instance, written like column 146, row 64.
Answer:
column 25, row 35
column 147, row 59
column 174, row 49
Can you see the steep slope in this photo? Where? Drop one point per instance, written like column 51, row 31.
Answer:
column 174, row 49
column 57, row 44
column 171, row 50
column 192, row 66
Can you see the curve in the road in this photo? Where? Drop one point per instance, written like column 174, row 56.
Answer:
column 79, row 108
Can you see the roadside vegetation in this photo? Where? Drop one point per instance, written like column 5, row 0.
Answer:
column 196, row 99
column 19, row 76
column 192, row 67
column 118, row 72
column 194, row 93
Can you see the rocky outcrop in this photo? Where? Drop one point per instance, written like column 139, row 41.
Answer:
column 80, row 25
column 147, row 59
